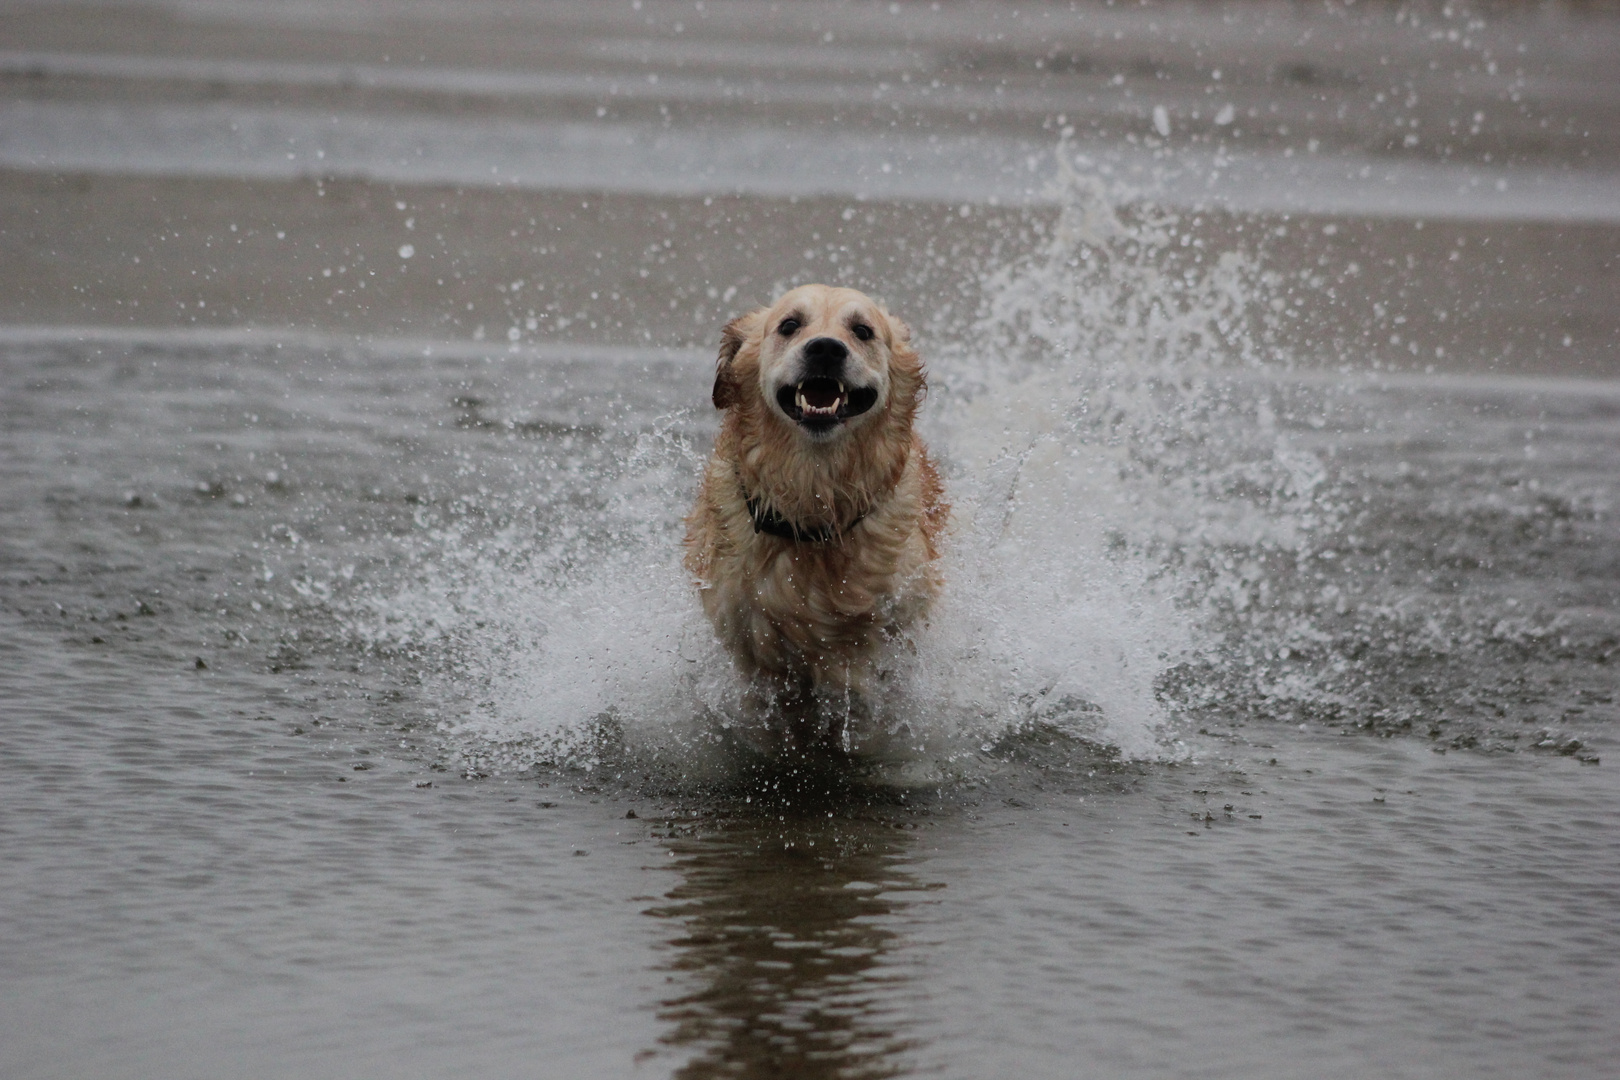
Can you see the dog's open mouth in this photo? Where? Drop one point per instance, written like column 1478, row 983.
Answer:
column 820, row 403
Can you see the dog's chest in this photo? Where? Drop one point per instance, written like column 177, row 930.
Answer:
column 786, row 604
column 799, row 581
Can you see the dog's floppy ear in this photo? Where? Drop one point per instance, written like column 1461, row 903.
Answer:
column 898, row 329
column 732, row 339
column 907, row 364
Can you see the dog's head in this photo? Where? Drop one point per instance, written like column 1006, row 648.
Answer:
column 823, row 362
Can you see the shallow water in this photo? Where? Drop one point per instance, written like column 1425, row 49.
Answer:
column 358, row 720
column 254, row 846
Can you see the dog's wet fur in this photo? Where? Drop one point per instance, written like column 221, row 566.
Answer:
column 815, row 537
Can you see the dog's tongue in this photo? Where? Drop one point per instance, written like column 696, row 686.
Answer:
column 821, row 393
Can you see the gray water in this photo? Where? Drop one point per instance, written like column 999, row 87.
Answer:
column 357, row 719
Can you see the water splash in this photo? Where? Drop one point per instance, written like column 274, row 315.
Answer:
column 1109, row 453
column 1105, row 457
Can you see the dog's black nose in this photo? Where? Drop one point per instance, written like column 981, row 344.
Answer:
column 824, row 358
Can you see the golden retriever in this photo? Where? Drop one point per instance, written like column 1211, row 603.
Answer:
column 816, row 531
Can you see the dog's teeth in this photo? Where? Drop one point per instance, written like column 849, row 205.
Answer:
column 809, row 409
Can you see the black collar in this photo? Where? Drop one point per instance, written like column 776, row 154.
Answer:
column 769, row 521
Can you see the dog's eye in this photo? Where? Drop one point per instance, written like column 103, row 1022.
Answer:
column 788, row 327
column 862, row 331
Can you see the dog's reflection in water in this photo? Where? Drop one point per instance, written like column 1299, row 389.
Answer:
column 781, row 933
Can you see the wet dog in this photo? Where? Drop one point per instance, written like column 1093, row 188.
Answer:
column 814, row 539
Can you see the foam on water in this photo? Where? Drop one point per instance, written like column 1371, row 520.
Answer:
column 1095, row 453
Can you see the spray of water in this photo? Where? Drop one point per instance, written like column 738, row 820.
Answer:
column 1102, row 454
column 1117, row 465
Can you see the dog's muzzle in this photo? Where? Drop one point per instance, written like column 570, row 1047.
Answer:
column 822, row 398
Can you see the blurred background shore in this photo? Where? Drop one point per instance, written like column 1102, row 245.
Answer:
column 1439, row 184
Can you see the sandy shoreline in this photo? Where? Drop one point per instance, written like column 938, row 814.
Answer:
column 1426, row 189
column 123, row 251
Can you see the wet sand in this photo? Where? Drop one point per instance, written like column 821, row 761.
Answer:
column 140, row 252
column 1504, row 275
